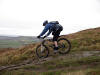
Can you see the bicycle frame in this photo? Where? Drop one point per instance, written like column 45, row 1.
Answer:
column 42, row 50
column 42, row 43
column 50, row 40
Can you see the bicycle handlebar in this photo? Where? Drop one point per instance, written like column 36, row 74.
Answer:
column 41, row 38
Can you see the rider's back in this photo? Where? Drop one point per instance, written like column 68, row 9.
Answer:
column 56, row 26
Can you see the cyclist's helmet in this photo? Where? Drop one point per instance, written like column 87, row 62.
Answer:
column 45, row 22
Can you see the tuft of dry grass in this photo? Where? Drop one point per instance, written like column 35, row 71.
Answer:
column 80, row 72
column 16, row 56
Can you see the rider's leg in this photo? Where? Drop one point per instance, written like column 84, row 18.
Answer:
column 55, row 38
column 56, row 44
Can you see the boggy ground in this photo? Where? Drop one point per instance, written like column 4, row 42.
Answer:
column 77, row 63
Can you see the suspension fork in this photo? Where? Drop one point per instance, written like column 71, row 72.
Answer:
column 42, row 47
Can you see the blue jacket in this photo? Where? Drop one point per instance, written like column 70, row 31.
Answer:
column 49, row 28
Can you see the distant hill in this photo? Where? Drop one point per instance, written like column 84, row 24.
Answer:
column 16, row 41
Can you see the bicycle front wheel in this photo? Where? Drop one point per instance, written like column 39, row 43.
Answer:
column 42, row 51
column 64, row 46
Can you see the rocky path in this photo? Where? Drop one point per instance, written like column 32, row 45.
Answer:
column 77, row 55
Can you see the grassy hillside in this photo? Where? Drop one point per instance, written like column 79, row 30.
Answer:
column 85, row 40
column 82, row 60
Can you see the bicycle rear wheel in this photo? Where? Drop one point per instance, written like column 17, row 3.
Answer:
column 42, row 51
column 64, row 45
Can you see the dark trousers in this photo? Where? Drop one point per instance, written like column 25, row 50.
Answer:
column 56, row 35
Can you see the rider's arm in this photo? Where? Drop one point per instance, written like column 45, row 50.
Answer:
column 48, row 33
column 45, row 30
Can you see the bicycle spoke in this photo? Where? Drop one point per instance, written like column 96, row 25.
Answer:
column 64, row 45
column 42, row 51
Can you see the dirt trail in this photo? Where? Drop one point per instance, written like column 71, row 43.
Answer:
column 77, row 55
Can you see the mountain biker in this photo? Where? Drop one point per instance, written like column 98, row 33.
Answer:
column 52, row 27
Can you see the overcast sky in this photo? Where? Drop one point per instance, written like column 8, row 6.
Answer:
column 25, row 17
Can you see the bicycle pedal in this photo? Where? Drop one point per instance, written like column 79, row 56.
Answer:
column 56, row 52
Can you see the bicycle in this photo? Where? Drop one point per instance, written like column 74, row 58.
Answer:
column 42, row 50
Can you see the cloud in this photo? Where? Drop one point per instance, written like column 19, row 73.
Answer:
column 26, row 16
